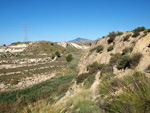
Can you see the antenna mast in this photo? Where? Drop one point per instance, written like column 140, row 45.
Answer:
column 25, row 33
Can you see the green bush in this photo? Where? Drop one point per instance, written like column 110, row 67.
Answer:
column 145, row 31
column 148, row 30
column 127, row 50
column 89, row 81
column 119, row 33
column 139, row 29
column 110, row 48
column 94, row 67
column 69, row 58
column 98, row 49
column 125, row 38
column 112, row 36
column 57, row 54
column 123, row 62
column 114, row 59
column 136, row 34
column 106, row 69
column 103, row 36
column 148, row 67
column 80, row 78
column 135, row 59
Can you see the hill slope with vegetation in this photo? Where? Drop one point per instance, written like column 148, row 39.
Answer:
column 112, row 76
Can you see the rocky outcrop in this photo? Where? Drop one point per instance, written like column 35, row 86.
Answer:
column 139, row 44
column 142, row 46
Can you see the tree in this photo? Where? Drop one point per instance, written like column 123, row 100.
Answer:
column 4, row 44
column 112, row 36
column 69, row 58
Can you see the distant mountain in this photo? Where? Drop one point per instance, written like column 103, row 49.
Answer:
column 80, row 40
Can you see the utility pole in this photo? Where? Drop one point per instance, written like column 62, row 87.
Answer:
column 25, row 33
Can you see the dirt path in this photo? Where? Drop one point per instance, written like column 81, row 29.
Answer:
column 94, row 87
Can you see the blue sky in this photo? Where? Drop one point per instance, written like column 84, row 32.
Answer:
column 63, row 20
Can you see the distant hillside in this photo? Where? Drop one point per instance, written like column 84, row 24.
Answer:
column 81, row 40
column 41, row 47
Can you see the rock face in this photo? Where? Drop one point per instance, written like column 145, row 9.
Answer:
column 142, row 46
column 139, row 44
column 77, row 46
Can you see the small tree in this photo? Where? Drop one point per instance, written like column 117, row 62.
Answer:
column 57, row 54
column 4, row 44
column 112, row 36
column 69, row 58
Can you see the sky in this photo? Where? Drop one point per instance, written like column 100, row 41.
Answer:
column 64, row 20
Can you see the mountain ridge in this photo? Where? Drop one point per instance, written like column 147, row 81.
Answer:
column 81, row 40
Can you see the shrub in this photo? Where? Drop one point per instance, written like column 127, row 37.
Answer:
column 145, row 31
column 135, row 59
column 123, row 62
column 57, row 54
column 114, row 59
column 53, row 56
column 139, row 29
column 112, row 36
column 103, row 36
column 99, row 48
column 148, row 30
column 125, row 38
column 127, row 50
column 89, row 81
column 69, row 58
column 110, row 48
column 135, row 97
column 94, row 67
column 119, row 33
column 80, row 78
column 136, row 34
column 106, row 69
column 62, row 89
column 148, row 67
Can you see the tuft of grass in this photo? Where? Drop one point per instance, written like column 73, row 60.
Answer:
column 20, row 98
column 81, row 104
column 135, row 97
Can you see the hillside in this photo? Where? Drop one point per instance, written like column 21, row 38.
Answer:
column 112, row 76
